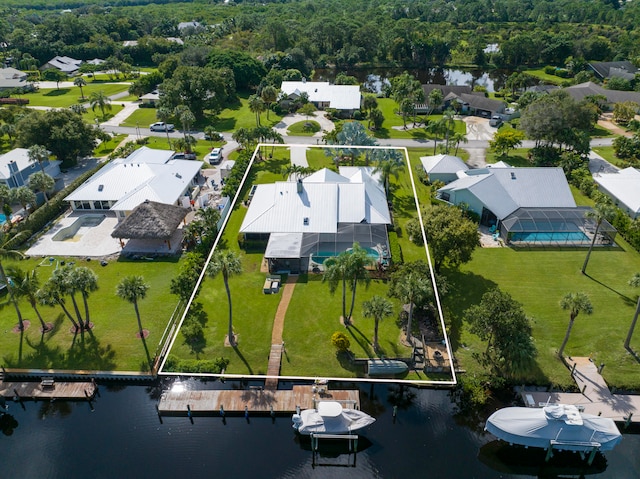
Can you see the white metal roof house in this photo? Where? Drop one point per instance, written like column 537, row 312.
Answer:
column 146, row 174
column 323, row 95
column 15, row 167
column 443, row 167
column 534, row 204
column 318, row 216
column 624, row 188
column 64, row 64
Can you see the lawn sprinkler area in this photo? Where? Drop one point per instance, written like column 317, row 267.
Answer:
column 262, row 322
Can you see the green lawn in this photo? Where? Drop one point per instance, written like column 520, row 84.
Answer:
column 304, row 128
column 142, row 117
column 517, row 157
column 609, row 154
column 92, row 115
column 539, row 73
column 112, row 344
column 65, row 97
column 106, row 148
column 239, row 116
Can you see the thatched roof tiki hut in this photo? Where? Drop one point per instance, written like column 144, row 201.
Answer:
column 151, row 222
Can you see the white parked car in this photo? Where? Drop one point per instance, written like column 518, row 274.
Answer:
column 161, row 126
column 495, row 121
column 215, row 156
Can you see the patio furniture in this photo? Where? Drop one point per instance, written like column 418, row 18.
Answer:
column 272, row 284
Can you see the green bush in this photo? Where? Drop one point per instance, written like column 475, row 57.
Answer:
column 549, row 70
column 340, row 341
column 394, row 248
column 414, row 231
column 214, row 366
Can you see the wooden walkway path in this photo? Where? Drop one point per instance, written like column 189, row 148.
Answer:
column 277, row 344
column 61, row 390
column 595, row 396
column 257, row 401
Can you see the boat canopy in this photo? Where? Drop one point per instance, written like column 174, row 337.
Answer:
column 559, row 426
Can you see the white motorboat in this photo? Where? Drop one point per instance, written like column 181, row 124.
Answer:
column 557, row 426
column 330, row 418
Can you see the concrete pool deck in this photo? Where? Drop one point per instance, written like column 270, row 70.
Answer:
column 95, row 241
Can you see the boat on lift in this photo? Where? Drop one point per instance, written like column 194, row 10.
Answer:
column 329, row 417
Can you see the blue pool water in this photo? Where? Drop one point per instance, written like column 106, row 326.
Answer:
column 3, row 219
column 566, row 236
column 321, row 256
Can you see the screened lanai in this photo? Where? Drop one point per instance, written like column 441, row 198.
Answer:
column 554, row 226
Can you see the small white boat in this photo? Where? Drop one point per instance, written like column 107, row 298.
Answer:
column 557, row 426
column 330, row 418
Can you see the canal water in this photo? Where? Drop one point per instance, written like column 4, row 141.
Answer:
column 120, row 435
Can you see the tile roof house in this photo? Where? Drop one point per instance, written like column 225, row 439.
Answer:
column 323, row 95
column 623, row 187
column 324, row 212
column 15, row 167
column 146, row 174
column 64, row 64
column 469, row 101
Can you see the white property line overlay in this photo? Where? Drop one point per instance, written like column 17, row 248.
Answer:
column 453, row 382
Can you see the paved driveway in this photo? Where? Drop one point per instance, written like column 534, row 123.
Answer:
column 478, row 128
column 287, row 121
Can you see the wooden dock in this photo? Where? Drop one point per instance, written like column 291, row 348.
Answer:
column 257, row 401
column 595, row 397
column 48, row 389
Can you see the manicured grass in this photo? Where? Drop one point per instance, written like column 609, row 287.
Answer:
column 517, row 157
column 304, row 128
column 539, row 278
column 65, row 97
column 92, row 115
column 106, row 148
column 112, row 344
column 239, row 116
column 201, row 148
column 609, row 154
column 539, row 73
column 142, row 117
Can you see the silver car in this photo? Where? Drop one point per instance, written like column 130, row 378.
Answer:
column 161, row 126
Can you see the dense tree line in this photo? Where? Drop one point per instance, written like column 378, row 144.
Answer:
column 303, row 35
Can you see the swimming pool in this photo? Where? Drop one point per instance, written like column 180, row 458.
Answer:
column 74, row 231
column 550, row 237
column 321, row 256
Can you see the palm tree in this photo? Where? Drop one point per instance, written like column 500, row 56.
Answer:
column 27, row 285
column 164, row 114
column 80, row 82
column 40, row 181
column 388, row 165
column 38, row 154
column 435, row 99
column 257, row 106
column 369, row 102
column 576, row 303
column 435, row 128
column 25, row 197
column 100, row 100
column 359, row 260
column 85, row 281
column 635, row 282
column 377, row 308
column 53, row 293
column 269, row 95
column 228, row 263
column 8, row 129
column 186, row 117
column 131, row 289
column 411, row 288
column 210, row 132
column 603, row 209
column 63, row 283
column 457, row 138
column 7, row 253
column 337, row 271
column 449, row 123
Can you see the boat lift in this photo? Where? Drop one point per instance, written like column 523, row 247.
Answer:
column 352, row 441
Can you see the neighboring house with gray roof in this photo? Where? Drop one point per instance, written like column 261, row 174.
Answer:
column 623, row 187
column 624, row 69
column 468, row 101
column 443, row 168
column 11, row 78
column 66, row 65
column 583, row 90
